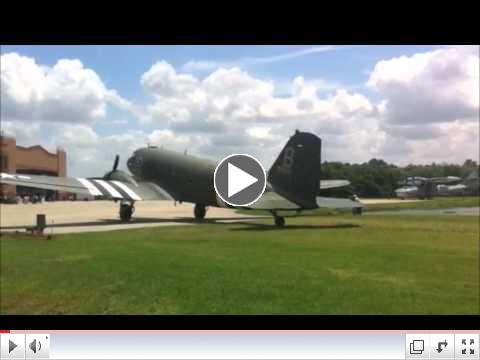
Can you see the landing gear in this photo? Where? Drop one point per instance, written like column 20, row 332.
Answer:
column 279, row 221
column 126, row 211
column 357, row 211
column 199, row 211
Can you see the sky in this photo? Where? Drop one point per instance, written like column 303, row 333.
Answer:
column 403, row 104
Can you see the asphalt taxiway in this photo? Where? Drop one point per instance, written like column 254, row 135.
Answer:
column 470, row 211
column 88, row 216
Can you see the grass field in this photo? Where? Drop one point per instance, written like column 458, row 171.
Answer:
column 317, row 265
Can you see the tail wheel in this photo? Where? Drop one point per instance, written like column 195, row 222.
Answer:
column 357, row 211
column 279, row 221
column 199, row 211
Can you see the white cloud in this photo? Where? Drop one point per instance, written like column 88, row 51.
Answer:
column 163, row 80
column 430, row 106
column 58, row 106
column 413, row 132
column 67, row 92
column 80, row 136
column 453, row 143
column 260, row 132
column 92, row 155
column 285, row 87
column 233, row 95
column 234, row 111
column 426, row 112
column 184, row 103
column 169, row 140
column 432, row 87
column 24, row 132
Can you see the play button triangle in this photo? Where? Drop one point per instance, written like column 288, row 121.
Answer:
column 11, row 346
column 238, row 180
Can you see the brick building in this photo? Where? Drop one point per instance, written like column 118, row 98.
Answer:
column 30, row 160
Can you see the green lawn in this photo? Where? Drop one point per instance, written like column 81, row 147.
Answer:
column 316, row 265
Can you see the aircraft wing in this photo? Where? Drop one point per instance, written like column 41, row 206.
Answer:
column 331, row 184
column 101, row 189
column 446, row 180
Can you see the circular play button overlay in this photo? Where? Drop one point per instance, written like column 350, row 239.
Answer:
column 239, row 180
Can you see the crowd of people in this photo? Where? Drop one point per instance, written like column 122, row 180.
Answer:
column 26, row 199
column 30, row 198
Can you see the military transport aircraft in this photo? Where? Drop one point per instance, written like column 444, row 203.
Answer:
column 422, row 187
column 293, row 182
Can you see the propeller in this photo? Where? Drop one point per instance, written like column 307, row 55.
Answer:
column 115, row 164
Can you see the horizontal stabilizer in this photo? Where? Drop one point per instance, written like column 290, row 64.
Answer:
column 272, row 201
column 337, row 203
column 332, row 184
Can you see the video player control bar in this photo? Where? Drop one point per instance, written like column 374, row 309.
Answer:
column 239, row 345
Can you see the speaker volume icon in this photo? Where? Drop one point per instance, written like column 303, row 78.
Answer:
column 35, row 346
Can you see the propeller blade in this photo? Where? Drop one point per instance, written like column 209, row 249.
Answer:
column 115, row 164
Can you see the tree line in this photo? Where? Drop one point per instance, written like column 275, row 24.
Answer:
column 376, row 178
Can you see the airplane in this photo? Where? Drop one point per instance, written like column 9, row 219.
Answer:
column 469, row 186
column 422, row 187
column 293, row 181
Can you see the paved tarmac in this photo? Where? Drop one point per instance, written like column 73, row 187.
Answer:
column 470, row 211
column 388, row 201
column 87, row 216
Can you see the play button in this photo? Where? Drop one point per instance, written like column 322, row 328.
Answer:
column 239, row 180
column 11, row 346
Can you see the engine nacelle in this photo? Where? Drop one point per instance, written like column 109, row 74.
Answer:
column 120, row 175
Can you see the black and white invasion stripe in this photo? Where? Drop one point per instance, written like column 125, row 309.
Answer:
column 109, row 189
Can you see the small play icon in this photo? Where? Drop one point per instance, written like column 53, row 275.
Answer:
column 11, row 346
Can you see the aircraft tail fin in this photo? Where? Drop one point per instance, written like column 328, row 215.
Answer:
column 295, row 174
column 473, row 175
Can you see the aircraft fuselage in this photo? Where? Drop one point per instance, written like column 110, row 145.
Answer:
column 186, row 178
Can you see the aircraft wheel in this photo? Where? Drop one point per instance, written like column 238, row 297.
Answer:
column 199, row 211
column 126, row 211
column 357, row 211
column 280, row 221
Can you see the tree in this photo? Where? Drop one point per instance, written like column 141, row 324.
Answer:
column 377, row 178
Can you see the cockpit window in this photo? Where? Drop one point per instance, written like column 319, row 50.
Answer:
column 135, row 163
